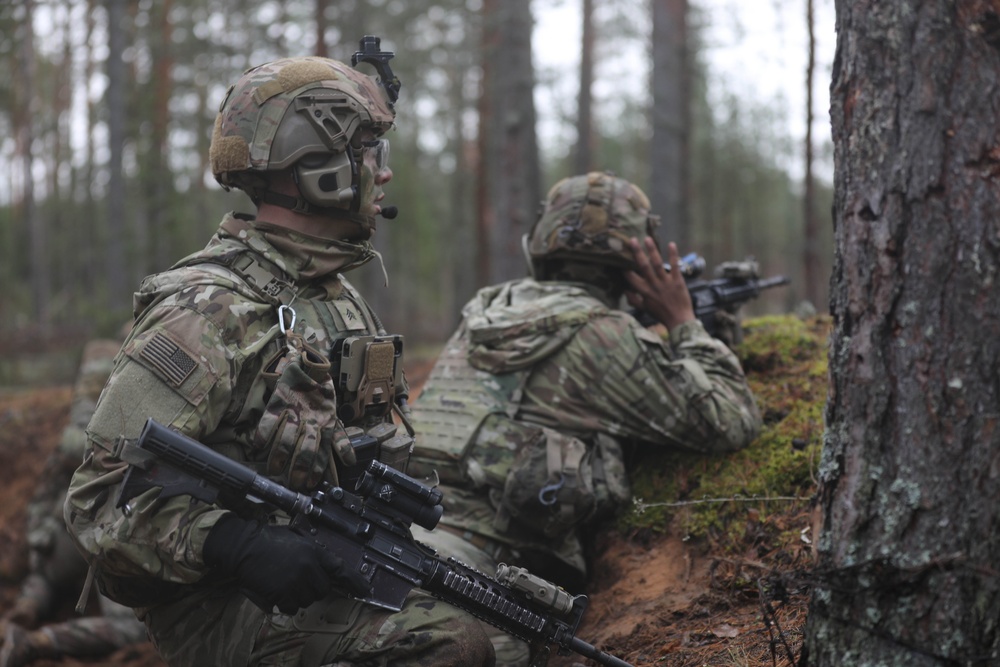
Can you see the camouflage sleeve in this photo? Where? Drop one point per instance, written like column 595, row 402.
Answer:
column 730, row 404
column 44, row 509
column 176, row 367
column 620, row 378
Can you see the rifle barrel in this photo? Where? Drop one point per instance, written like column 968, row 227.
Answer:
column 765, row 283
column 587, row 650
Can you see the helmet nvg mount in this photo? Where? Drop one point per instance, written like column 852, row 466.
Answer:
column 590, row 218
column 308, row 114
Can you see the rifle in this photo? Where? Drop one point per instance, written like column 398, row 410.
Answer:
column 370, row 530
column 734, row 284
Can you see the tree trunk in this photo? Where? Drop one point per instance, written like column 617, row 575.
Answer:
column 670, row 147
column 117, row 282
column 90, row 246
column 457, row 283
column 155, row 237
column 41, row 284
column 484, row 209
column 510, row 169
column 910, row 474
column 319, row 12
column 812, row 263
column 584, row 156
column 67, row 236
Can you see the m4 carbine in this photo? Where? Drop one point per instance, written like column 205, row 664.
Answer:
column 734, row 284
column 370, row 530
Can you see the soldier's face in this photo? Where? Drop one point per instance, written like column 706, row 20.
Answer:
column 375, row 154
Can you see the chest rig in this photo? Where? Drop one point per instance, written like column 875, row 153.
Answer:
column 456, row 404
column 542, row 481
column 343, row 338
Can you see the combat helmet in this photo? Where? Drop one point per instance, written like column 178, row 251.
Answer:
column 305, row 113
column 590, row 218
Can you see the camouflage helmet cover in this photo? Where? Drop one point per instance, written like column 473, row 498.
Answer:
column 283, row 110
column 591, row 218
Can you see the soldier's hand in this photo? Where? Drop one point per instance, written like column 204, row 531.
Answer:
column 277, row 567
column 661, row 293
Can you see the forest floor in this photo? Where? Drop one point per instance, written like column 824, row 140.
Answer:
column 657, row 598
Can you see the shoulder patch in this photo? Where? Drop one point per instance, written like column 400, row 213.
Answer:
column 173, row 363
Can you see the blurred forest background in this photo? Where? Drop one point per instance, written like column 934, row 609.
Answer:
column 106, row 111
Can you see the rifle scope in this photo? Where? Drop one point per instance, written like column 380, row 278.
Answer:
column 399, row 493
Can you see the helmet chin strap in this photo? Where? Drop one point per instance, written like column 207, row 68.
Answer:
column 527, row 256
column 292, row 203
column 298, row 204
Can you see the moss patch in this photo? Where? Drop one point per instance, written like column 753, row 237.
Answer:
column 731, row 499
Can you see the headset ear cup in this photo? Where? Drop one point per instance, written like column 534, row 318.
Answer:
column 332, row 184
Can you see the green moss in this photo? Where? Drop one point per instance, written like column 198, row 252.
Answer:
column 722, row 497
column 778, row 341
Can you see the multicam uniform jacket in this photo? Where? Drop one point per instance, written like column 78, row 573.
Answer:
column 544, row 376
column 208, row 357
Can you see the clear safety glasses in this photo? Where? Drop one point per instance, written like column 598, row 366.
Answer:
column 379, row 148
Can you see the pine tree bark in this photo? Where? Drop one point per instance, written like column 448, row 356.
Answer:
column 670, row 150
column 584, row 153
column 155, row 240
column 319, row 13
column 509, row 189
column 812, row 262
column 37, row 225
column 119, row 287
column 910, row 475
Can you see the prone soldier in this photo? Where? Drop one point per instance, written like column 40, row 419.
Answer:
column 534, row 403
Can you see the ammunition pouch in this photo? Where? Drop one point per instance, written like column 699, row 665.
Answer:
column 556, row 482
column 540, row 480
column 296, row 429
column 367, row 370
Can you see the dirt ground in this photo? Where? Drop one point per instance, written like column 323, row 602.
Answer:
column 654, row 599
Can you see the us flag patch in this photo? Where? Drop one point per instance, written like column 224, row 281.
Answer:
column 165, row 356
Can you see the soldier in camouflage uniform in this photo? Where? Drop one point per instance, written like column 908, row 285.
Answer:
column 240, row 346
column 547, row 380
column 56, row 568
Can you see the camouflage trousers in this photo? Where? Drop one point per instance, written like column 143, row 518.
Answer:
column 229, row 630
column 511, row 652
column 58, row 570
column 116, row 627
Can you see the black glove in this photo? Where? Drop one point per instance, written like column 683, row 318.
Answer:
column 277, row 566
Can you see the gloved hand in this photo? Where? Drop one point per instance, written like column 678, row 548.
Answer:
column 276, row 566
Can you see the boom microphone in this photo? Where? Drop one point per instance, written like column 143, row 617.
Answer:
column 389, row 212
